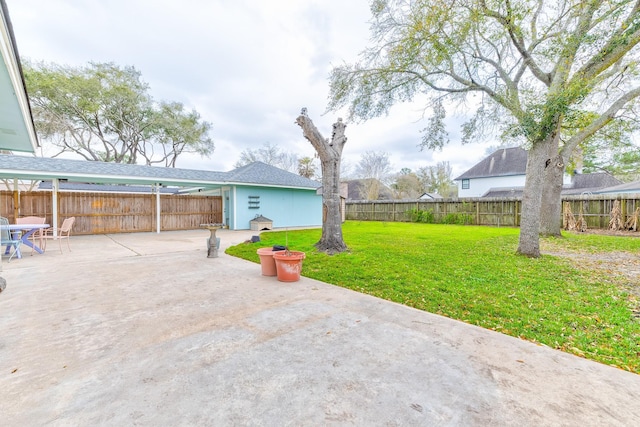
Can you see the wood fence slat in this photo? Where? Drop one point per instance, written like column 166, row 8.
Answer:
column 493, row 212
column 101, row 213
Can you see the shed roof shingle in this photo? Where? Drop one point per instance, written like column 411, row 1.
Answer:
column 262, row 173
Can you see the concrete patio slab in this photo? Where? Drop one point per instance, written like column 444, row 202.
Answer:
column 144, row 329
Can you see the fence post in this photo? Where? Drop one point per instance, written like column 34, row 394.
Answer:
column 597, row 209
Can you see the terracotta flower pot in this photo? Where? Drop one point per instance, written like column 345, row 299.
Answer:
column 288, row 265
column 267, row 262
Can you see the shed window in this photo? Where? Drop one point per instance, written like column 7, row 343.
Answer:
column 465, row 184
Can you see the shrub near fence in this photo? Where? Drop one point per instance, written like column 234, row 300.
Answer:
column 101, row 213
column 496, row 212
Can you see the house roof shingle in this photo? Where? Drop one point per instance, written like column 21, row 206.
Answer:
column 581, row 184
column 503, row 162
column 42, row 168
column 590, row 182
column 262, row 173
column 629, row 187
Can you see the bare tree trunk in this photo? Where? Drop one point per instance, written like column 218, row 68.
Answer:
column 551, row 202
column 537, row 160
column 329, row 152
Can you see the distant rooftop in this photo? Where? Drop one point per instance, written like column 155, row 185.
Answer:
column 629, row 187
column 590, row 182
column 503, row 162
column 580, row 184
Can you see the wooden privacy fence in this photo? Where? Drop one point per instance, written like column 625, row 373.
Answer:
column 101, row 213
column 498, row 212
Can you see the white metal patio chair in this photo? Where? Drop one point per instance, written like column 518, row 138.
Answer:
column 9, row 238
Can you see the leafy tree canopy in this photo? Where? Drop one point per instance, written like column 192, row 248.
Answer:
column 532, row 59
column 270, row 154
column 104, row 112
column 550, row 73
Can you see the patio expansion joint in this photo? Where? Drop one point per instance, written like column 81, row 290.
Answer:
column 124, row 246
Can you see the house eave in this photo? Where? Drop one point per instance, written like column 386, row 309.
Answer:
column 251, row 184
column 115, row 179
column 17, row 131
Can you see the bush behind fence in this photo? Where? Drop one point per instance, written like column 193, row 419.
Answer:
column 498, row 212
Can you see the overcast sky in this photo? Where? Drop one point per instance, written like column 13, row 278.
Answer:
column 247, row 66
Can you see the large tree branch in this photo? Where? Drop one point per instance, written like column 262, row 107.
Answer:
column 625, row 38
column 517, row 39
column 599, row 123
column 573, row 43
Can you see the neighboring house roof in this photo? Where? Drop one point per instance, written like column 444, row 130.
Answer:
column 42, row 168
column 580, row 183
column 503, row 192
column 429, row 196
column 503, row 162
column 17, row 132
column 357, row 186
column 590, row 183
column 630, row 187
column 344, row 190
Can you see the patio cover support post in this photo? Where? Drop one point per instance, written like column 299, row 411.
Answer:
column 158, row 186
column 55, row 185
column 16, row 199
column 235, row 207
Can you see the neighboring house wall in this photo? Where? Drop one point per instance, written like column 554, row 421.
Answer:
column 286, row 207
column 503, row 169
column 479, row 186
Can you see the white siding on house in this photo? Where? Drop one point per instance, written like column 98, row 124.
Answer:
column 479, row 186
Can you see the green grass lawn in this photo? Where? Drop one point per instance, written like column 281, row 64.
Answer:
column 472, row 274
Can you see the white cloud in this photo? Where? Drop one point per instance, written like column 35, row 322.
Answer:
column 246, row 66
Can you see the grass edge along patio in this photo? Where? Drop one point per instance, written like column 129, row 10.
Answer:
column 472, row 274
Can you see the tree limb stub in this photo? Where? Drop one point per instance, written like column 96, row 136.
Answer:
column 325, row 147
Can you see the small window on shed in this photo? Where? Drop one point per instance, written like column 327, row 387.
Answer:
column 465, row 184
